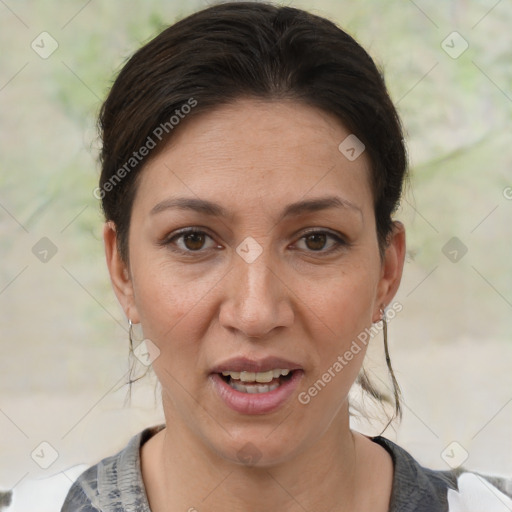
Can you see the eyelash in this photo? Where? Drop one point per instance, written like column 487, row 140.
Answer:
column 339, row 242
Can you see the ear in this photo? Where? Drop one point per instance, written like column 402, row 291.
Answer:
column 392, row 268
column 119, row 273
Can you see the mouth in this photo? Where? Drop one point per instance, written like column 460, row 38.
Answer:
column 260, row 389
column 257, row 382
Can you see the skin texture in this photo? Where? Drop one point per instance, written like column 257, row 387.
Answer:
column 299, row 300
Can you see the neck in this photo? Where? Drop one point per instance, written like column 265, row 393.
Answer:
column 321, row 477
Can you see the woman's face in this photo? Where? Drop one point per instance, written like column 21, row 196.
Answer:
column 282, row 273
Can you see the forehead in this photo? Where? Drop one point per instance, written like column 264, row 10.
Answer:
column 255, row 150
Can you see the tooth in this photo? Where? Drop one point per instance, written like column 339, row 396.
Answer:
column 247, row 376
column 261, row 377
column 278, row 372
column 233, row 375
column 238, row 387
column 264, row 376
column 253, row 389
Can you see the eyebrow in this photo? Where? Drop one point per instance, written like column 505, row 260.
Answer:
column 210, row 208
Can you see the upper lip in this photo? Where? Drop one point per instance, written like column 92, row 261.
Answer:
column 239, row 364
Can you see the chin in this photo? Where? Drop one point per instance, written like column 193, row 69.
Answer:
column 261, row 448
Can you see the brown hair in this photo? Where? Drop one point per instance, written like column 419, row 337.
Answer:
column 247, row 49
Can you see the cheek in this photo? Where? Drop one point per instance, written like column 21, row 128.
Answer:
column 342, row 309
column 345, row 302
column 172, row 314
column 178, row 309
column 171, row 304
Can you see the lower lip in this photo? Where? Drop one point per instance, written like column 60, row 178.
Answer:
column 255, row 403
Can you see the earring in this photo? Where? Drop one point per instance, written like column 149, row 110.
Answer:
column 130, row 334
column 385, row 333
column 396, row 388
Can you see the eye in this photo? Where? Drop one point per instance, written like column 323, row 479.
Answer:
column 190, row 240
column 193, row 240
column 316, row 241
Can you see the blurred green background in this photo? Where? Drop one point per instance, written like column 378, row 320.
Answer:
column 63, row 335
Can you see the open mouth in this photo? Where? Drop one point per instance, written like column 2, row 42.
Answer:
column 257, row 382
column 251, row 392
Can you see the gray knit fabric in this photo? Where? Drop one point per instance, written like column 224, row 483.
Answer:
column 115, row 484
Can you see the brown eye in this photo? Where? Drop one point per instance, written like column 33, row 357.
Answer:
column 322, row 242
column 194, row 241
column 316, row 241
column 190, row 241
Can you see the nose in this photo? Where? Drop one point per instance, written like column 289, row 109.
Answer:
column 256, row 300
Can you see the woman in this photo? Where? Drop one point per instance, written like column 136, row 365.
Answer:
column 251, row 164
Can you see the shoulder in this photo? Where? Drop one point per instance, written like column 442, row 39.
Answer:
column 419, row 489
column 83, row 494
column 112, row 483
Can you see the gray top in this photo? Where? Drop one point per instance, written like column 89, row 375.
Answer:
column 115, row 485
